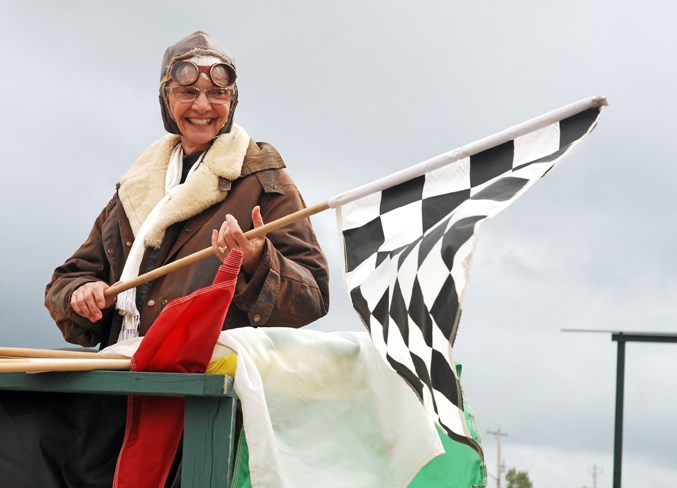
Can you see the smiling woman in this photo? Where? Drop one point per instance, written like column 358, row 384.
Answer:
column 206, row 182
column 198, row 117
column 187, row 76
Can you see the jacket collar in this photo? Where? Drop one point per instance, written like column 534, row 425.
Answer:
column 144, row 184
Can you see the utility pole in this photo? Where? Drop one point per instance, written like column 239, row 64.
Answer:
column 594, row 471
column 499, row 466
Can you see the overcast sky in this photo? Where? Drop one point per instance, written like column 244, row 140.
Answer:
column 351, row 91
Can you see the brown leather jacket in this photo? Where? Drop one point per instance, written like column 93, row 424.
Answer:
column 289, row 288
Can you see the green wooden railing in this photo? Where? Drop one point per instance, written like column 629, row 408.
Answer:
column 209, row 420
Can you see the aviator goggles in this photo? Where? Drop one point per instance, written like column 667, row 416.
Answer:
column 186, row 73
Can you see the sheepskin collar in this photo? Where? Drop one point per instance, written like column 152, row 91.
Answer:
column 144, row 184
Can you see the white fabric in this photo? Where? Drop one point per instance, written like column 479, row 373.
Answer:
column 126, row 301
column 124, row 348
column 323, row 410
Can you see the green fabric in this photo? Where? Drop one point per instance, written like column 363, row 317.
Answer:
column 241, row 466
column 459, row 467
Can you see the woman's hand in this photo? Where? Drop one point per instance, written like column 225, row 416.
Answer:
column 88, row 300
column 230, row 236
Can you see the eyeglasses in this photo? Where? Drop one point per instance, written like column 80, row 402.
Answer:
column 188, row 94
column 186, row 73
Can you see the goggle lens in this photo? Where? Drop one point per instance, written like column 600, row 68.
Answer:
column 220, row 75
column 186, row 73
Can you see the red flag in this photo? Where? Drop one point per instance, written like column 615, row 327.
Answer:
column 181, row 340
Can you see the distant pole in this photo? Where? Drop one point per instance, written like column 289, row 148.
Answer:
column 499, row 467
column 595, row 470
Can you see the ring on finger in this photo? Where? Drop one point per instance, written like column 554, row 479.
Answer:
column 223, row 249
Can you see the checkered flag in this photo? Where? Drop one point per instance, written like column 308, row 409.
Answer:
column 409, row 242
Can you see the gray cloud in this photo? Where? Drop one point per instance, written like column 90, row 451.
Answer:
column 353, row 91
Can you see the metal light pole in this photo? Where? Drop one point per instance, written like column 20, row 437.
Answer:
column 618, row 420
column 622, row 338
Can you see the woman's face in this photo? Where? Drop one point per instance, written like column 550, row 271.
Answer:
column 199, row 121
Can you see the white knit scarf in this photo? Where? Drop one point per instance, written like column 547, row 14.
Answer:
column 126, row 301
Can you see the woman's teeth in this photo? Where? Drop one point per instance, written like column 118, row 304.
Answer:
column 200, row 121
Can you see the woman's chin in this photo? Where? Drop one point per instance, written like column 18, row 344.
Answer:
column 195, row 138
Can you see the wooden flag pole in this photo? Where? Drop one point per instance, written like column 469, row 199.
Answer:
column 50, row 365
column 205, row 253
column 23, row 352
column 380, row 184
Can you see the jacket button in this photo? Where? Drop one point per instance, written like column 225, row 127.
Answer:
column 129, row 243
column 273, row 186
column 256, row 318
column 151, row 303
column 109, row 251
column 164, row 302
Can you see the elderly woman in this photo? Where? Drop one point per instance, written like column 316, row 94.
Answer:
column 172, row 203
column 199, row 186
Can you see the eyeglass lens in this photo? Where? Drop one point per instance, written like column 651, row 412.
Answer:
column 189, row 94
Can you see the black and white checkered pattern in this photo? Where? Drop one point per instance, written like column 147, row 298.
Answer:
column 409, row 250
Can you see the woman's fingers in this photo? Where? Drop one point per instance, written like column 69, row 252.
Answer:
column 256, row 217
column 88, row 300
column 230, row 236
column 219, row 249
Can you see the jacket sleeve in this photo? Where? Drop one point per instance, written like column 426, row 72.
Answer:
column 88, row 263
column 290, row 287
